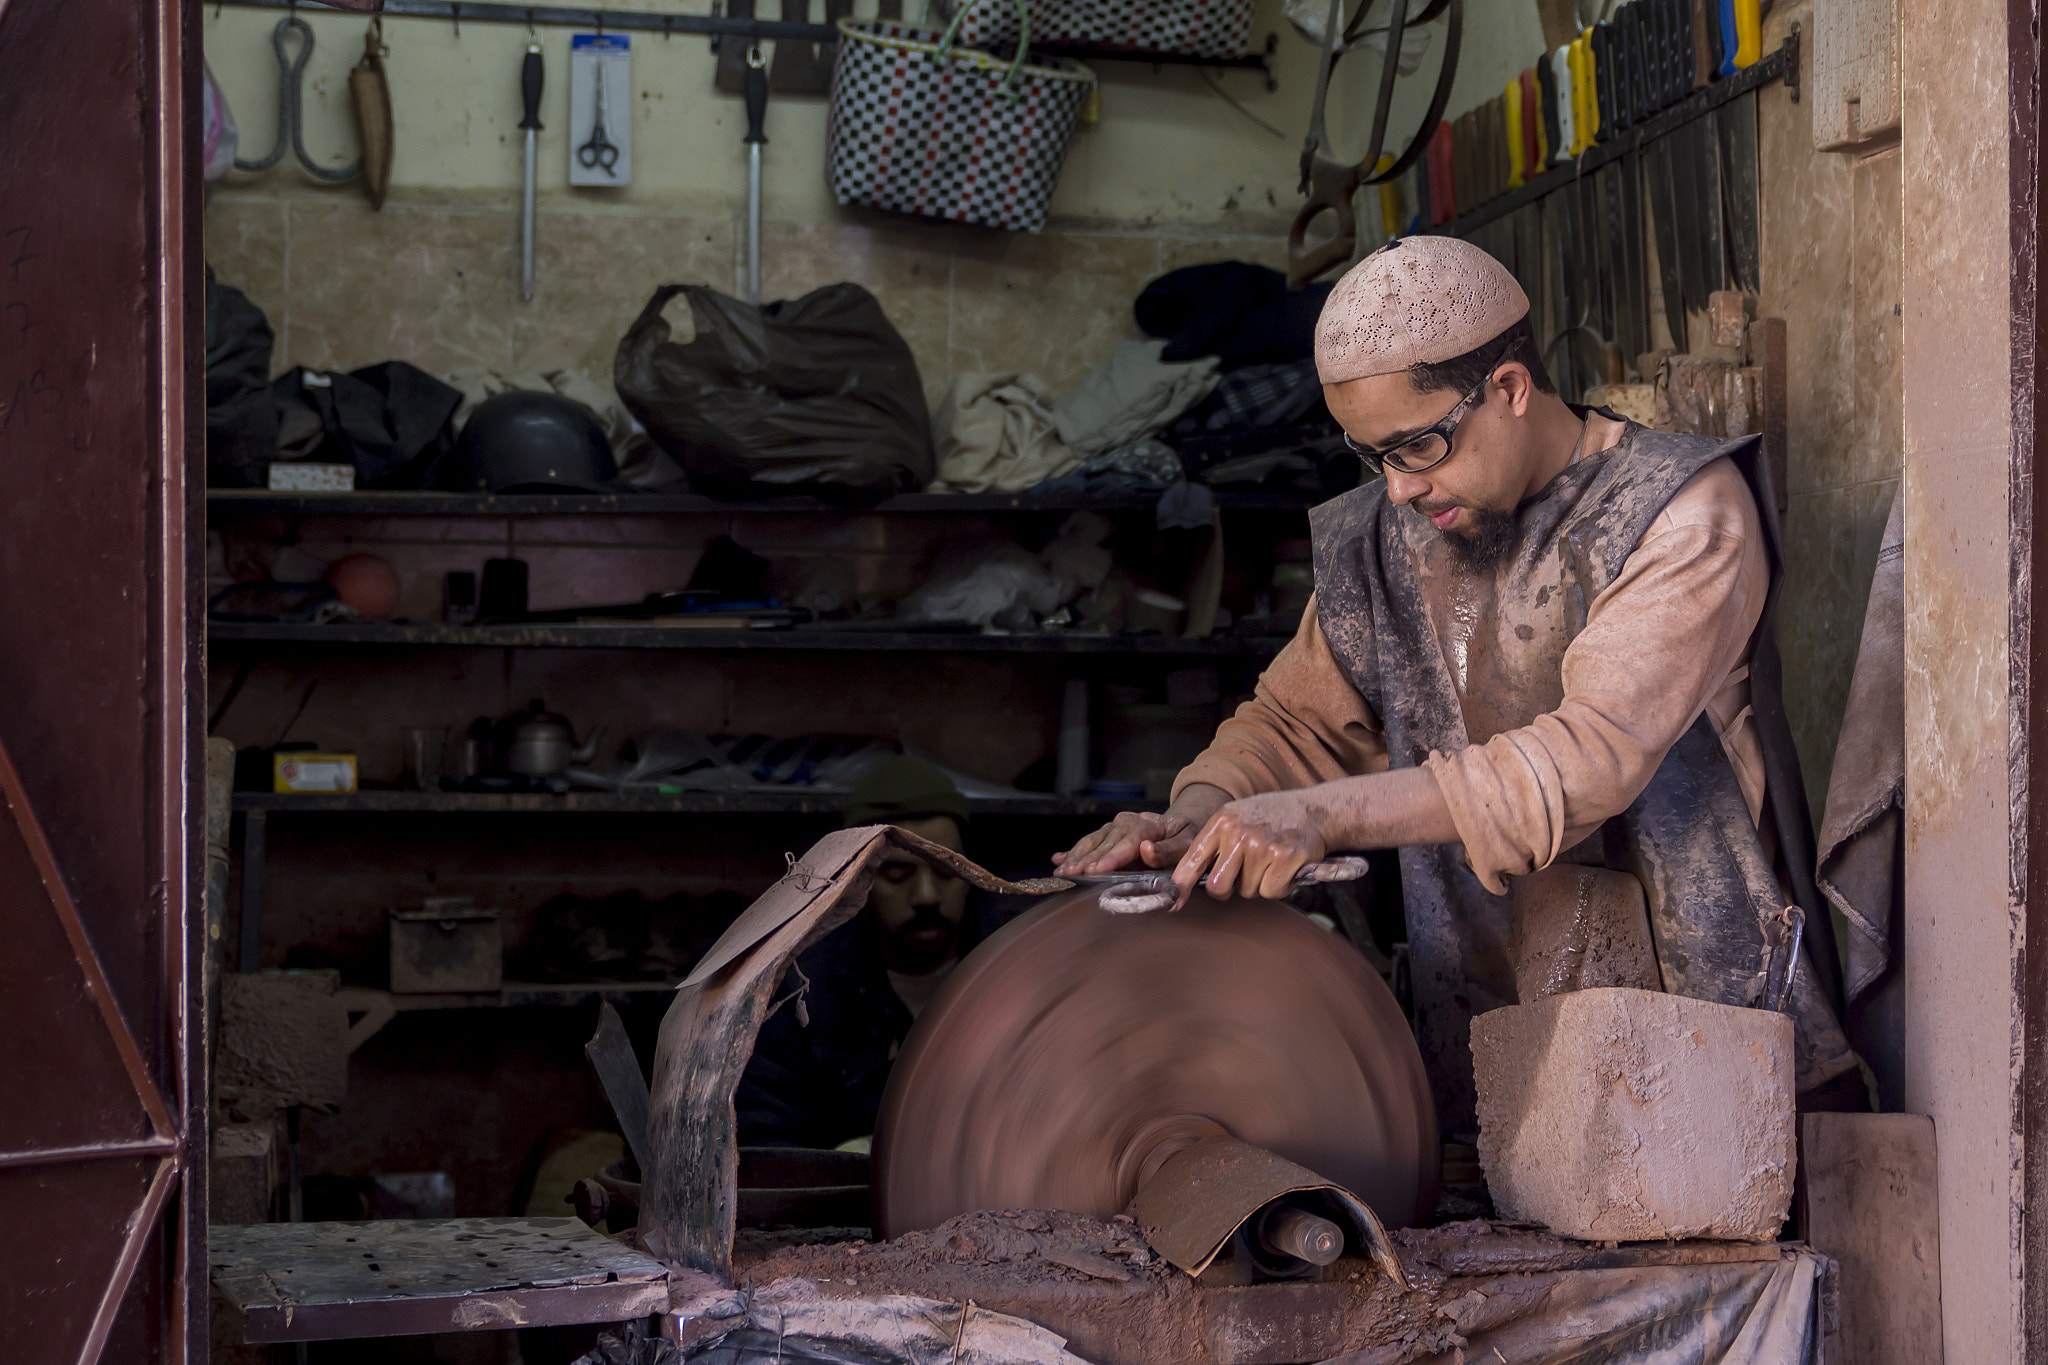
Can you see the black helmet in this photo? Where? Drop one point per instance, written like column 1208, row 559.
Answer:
column 529, row 439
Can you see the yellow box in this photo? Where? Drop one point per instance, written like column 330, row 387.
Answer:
column 304, row 773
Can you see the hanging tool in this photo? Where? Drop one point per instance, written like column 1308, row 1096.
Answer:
column 367, row 87
column 599, row 153
column 1331, row 187
column 1511, row 102
column 532, row 76
column 800, row 68
column 731, row 75
column 371, row 91
column 1663, row 218
column 1735, row 128
column 757, row 138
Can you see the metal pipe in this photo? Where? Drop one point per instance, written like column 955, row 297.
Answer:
column 1287, row 1231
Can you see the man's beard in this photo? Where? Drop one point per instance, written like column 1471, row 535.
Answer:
column 1481, row 549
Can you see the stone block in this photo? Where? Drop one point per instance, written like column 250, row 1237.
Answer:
column 1631, row 1115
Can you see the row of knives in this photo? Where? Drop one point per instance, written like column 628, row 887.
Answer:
column 1617, row 75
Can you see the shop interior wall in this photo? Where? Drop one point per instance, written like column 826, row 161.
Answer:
column 1831, row 269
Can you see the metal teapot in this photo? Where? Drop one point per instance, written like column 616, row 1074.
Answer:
column 538, row 743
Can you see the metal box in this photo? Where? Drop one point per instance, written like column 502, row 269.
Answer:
column 446, row 945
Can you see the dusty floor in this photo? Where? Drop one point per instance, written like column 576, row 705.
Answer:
column 1099, row 1285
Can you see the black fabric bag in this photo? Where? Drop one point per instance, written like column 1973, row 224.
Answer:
column 818, row 395
column 389, row 420
column 241, row 424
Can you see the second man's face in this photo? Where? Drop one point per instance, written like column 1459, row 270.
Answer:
column 919, row 906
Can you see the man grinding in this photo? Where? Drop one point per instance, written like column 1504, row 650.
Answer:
column 817, row 1074
column 1530, row 645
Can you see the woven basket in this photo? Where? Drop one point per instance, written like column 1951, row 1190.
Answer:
column 921, row 125
column 1197, row 28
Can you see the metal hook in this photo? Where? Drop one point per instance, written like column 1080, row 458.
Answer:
column 290, row 105
column 455, row 13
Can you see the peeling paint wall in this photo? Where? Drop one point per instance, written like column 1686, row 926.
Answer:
column 1962, row 926
column 1831, row 269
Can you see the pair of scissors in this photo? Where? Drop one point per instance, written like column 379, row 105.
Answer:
column 599, row 153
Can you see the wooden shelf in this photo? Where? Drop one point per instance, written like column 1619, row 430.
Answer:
column 528, row 994
column 811, row 639
column 410, row 504
column 794, row 801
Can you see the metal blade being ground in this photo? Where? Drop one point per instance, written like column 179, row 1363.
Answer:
column 611, row 1055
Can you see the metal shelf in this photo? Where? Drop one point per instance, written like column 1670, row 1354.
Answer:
column 430, row 504
column 792, row 801
column 737, row 639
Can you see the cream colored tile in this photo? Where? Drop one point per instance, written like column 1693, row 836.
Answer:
column 247, row 246
column 1052, row 305
column 594, row 272
column 435, row 287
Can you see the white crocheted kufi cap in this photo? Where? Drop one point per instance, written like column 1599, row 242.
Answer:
column 1415, row 301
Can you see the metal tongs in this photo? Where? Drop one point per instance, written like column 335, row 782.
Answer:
column 1782, row 931
column 1139, row 893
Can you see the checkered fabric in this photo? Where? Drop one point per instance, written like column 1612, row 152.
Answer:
column 1199, row 28
column 1264, row 395
column 941, row 139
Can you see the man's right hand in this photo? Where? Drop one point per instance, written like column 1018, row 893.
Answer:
column 1153, row 838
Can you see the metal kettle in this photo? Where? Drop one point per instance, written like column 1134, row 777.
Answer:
column 538, row 743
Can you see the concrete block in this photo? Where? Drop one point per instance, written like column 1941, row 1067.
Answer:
column 1630, row 1115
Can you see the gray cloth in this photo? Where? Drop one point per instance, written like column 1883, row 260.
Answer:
column 1861, row 868
column 995, row 433
column 1860, row 828
column 1134, row 394
column 1384, row 577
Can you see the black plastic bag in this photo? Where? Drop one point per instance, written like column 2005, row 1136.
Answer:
column 818, row 394
column 241, row 424
column 389, row 420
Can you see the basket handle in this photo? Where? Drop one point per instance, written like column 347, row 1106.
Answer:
column 1009, row 82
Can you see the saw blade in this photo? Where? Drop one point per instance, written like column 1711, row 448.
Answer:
column 1075, row 1051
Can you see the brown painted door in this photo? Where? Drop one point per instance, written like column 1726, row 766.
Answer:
column 102, row 1094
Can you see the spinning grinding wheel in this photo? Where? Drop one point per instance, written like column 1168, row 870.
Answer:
column 1075, row 1052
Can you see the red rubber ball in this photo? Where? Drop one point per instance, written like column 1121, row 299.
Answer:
column 366, row 582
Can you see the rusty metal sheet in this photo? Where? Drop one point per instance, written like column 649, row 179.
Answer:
column 1202, row 1195
column 312, row 1281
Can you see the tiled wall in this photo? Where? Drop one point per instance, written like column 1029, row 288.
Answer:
column 345, row 286
column 1831, row 224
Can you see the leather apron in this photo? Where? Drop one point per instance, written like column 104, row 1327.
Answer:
column 1449, row 658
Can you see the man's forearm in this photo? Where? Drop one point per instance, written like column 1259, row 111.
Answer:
column 1197, row 802
column 1381, row 810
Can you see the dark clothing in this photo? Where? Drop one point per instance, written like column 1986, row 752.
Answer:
column 1383, row 581
column 1242, row 314
column 819, row 1085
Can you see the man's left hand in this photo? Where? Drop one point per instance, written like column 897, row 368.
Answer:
column 1255, row 846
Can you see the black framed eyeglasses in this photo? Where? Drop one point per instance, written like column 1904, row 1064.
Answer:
column 1426, row 449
